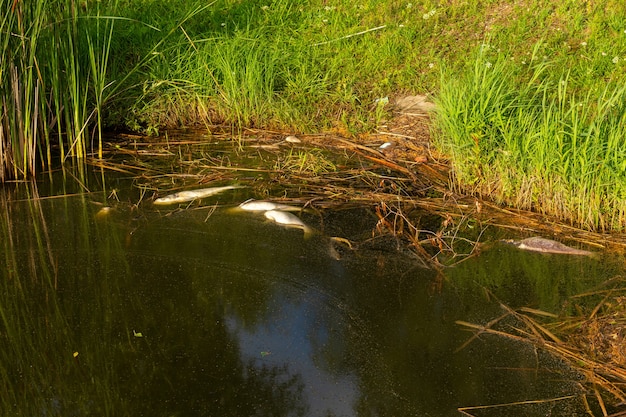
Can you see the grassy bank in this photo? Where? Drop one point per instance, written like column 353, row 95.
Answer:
column 545, row 144
column 544, row 129
column 529, row 92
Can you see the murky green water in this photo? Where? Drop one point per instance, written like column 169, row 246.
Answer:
column 141, row 311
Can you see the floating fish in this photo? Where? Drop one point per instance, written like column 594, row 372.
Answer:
column 104, row 212
column 332, row 249
column 288, row 220
column 540, row 244
column 184, row 196
column 292, row 139
column 259, row 205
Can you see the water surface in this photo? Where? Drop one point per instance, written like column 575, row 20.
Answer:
column 209, row 311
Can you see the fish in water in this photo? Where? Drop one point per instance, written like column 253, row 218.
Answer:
column 540, row 244
column 104, row 212
column 258, row 205
column 288, row 220
column 190, row 195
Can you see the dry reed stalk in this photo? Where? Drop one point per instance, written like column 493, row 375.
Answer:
column 465, row 410
column 607, row 377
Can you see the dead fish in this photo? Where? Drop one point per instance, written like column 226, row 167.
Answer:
column 540, row 244
column 190, row 195
column 259, row 205
column 104, row 212
column 332, row 248
column 288, row 220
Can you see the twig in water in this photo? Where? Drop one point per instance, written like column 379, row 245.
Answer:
column 211, row 211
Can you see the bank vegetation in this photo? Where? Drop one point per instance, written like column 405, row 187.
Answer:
column 529, row 93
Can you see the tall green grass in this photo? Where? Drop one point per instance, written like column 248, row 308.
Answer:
column 283, row 65
column 534, row 139
column 317, row 66
column 53, row 78
column 56, row 78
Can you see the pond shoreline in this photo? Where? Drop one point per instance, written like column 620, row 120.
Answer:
column 402, row 145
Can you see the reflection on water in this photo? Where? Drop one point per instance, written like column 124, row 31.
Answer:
column 139, row 311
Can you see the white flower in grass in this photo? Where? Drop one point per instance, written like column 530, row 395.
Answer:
column 382, row 101
column 488, row 64
column 264, row 8
column 430, row 14
column 604, row 54
column 615, row 59
column 431, row 65
column 583, row 44
column 409, row 5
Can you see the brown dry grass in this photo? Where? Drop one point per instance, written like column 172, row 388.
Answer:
column 592, row 343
